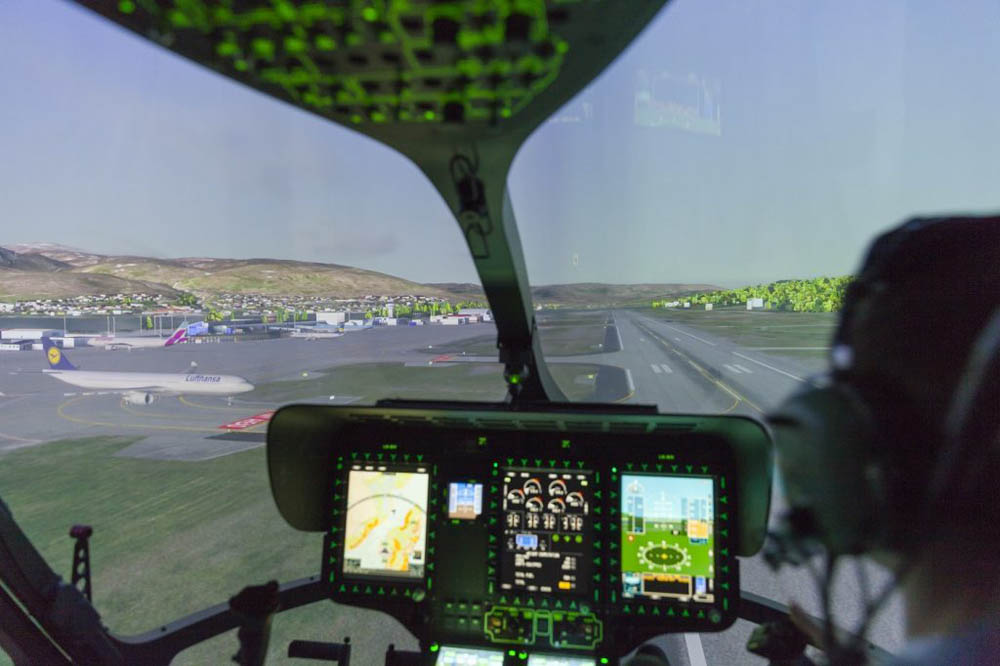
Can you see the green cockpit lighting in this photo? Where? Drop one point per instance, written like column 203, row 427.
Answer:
column 359, row 61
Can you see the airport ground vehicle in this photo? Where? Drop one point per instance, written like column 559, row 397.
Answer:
column 467, row 162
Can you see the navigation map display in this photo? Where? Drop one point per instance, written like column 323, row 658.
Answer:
column 386, row 527
column 667, row 537
column 547, row 537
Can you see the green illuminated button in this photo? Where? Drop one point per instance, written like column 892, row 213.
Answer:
column 685, row 613
column 627, row 609
column 642, row 610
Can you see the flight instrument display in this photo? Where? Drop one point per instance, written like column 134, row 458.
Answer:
column 547, row 536
column 667, row 538
column 385, row 531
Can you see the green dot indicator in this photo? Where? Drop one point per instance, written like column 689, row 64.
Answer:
column 369, row 14
column 579, row 539
column 241, row 65
column 511, row 653
column 614, row 470
column 435, row 647
column 505, row 112
column 604, row 660
column 555, row 538
column 126, row 6
column 227, row 49
column 294, row 45
column 356, row 119
column 430, row 115
column 263, row 48
column 522, row 655
column 325, row 43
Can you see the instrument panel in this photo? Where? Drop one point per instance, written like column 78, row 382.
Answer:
column 532, row 544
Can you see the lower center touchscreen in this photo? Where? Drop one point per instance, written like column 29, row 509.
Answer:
column 385, row 532
column 548, row 543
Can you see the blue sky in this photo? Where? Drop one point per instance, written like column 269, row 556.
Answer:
column 838, row 119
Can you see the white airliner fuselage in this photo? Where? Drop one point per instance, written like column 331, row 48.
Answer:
column 156, row 382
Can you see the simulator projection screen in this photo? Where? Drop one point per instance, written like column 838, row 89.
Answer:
column 667, row 539
column 386, row 527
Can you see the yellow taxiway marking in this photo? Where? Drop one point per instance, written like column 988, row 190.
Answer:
column 169, row 417
column 197, row 405
column 704, row 373
column 60, row 410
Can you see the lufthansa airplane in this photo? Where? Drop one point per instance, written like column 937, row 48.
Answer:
column 140, row 387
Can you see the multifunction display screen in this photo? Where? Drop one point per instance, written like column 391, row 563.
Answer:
column 385, row 532
column 465, row 500
column 547, row 531
column 667, row 537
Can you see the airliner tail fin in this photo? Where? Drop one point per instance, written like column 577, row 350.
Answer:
column 55, row 356
column 180, row 335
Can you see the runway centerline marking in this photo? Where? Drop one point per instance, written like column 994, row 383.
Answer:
column 731, row 368
column 769, row 367
column 746, row 370
column 696, row 653
column 704, row 373
column 674, row 328
column 655, row 368
column 666, row 368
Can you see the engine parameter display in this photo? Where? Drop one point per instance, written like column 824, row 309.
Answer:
column 385, row 531
column 667, row 538
column 547, row 532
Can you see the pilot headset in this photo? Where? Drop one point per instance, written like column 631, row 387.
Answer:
column 865, row 463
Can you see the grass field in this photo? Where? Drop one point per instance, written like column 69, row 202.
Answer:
column 459, row 381
column 169, row 538
column 802, row 336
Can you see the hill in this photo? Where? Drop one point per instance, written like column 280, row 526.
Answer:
column 276, row 277
column 48, row 270
column 29, row 261
column 26, row 285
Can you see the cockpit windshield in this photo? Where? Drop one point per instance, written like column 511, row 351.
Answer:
column 183, row 255
column 691, row 218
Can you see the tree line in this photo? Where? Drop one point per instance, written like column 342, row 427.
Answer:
column 822, row 294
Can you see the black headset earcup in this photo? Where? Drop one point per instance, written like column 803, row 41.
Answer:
column 824, row 440
column 972, row 429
